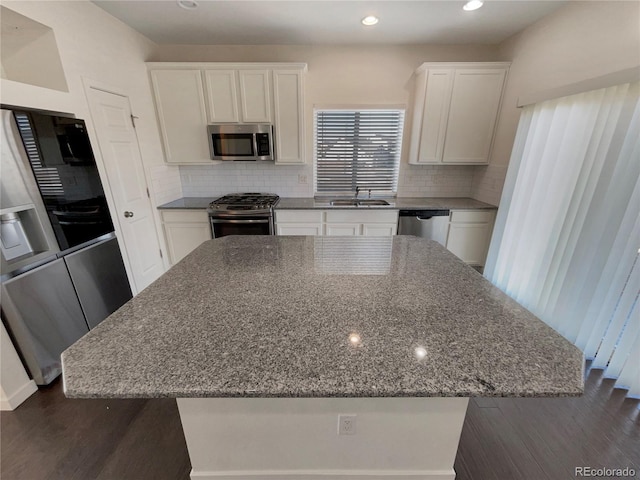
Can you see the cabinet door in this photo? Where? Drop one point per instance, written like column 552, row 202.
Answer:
column 379, row 229
column 180, row 105
column 255, row 97
column 434, row 119
column 183, row 238
column 475, row 100
column 299, row 229
column 222, row 96
column 288, row 116
column 469, row 241
column 342, row 229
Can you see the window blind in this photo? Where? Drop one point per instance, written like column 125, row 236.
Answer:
column 358, row 148
column 567, row 236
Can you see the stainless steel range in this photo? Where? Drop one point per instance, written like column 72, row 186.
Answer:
column 242, row 214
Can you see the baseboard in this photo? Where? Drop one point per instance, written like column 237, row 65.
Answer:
column 18, row 396
column 327, row 475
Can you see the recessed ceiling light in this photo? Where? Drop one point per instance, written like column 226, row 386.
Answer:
column 370, row 20
column 188, row 4
column 473, row 5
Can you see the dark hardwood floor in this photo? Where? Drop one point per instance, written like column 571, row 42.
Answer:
column 52, row 437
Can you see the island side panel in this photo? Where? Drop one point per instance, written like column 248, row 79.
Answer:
column 280, row 438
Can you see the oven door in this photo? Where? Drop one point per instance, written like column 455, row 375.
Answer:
column 221, row 227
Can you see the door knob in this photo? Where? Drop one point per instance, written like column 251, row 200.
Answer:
column 128, row 214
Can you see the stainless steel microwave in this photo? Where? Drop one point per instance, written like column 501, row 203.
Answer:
column 241, row 142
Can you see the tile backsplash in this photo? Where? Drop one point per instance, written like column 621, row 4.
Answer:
column 435, row 181
column 413, row 180
column 215, row 180
column 166, row 184
column 488, row 182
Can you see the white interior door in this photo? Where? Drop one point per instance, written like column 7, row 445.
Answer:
column 118, row 144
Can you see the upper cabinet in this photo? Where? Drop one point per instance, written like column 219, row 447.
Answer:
column 455, row 112
column 182, row 115
column 189, row 96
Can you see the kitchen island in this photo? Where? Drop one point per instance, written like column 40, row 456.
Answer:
column 266, row 340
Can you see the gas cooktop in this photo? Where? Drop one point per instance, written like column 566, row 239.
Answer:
column 244, row 203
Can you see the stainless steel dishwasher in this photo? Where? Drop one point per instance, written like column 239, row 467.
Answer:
column 431, row 224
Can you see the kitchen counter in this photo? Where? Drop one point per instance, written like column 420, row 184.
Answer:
column 406, row 203
column 268, row 316
column 188, row 203
column 403, row 203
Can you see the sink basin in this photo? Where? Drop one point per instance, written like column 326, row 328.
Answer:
column 373, row 202
column 355, row 203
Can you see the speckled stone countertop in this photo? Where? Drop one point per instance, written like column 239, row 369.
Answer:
column 417, row 203
column 270, row 316
column 188, row 203
column 406, row 203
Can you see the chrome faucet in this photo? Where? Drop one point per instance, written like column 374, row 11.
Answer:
column 357, row 192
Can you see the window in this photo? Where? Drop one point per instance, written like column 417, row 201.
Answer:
column 357, row 148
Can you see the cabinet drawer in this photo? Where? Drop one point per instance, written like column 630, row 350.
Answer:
column 185, row 216
column 359, row 216
column 472, row 216
column 299, row 216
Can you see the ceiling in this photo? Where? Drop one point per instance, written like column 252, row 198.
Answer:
column 327, row 22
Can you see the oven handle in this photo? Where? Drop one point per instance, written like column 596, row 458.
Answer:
column 216, row 220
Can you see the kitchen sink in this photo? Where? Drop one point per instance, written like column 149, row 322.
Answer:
column 356, row 203
column 373, row 202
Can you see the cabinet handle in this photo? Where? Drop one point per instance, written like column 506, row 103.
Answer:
column 128, row 214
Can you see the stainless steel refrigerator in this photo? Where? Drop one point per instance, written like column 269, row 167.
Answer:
column 61, row 268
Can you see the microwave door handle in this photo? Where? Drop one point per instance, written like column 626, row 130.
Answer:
column 254, row 137
column 217, row 220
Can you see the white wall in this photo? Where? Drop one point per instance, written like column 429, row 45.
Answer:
column 580, row 41
column 97, row 46
column 338, row 75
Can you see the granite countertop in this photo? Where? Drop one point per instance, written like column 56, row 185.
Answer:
column 402, row 203
column 188, row 203
column 407, row 203
column 270, row 316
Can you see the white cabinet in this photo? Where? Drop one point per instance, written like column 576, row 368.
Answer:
column 191, row 95
column 184, row 231
column 469, row 234
column 288, row 99
column 255, row 96
column 347, row 222
column 222, row 95
column 182, row 116
column 455, row 112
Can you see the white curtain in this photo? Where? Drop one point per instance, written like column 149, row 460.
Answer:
column 567, row 235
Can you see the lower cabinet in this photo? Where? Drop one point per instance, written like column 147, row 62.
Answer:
column 469, row 235
column 184, row 231
column 373, row 223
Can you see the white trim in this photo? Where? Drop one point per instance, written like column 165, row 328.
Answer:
column 225, row 65
column 360, row 106
column 327, row 475
column 620, row 77
column 19, row 396
column 483, row 65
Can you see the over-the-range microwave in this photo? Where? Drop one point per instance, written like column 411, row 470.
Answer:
column 241, row 142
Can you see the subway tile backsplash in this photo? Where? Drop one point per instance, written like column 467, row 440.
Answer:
column 413, row 180
column 166, row 184
column 210, row 181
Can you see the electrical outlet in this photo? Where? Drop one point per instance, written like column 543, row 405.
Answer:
column 302, row 179
column 346, row 424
